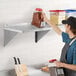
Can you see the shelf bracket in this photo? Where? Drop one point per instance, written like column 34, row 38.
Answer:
column 8, row 35
column 40, row 34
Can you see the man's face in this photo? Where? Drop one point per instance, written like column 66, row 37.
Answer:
column 67, row 28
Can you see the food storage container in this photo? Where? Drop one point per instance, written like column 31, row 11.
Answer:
column 56, row 16
column 38, row 18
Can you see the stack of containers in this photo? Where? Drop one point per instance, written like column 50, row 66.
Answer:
column 56, row 16
column 70, row 12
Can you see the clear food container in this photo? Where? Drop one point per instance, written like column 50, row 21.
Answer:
column 56, row 16
column 70, row 12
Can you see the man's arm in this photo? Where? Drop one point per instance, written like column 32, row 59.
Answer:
column 64, row 65
column 56, row 28
column 69, row 66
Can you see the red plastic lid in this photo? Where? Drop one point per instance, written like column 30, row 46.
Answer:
column 38, row 9
column 56, row 10
column 52, row 60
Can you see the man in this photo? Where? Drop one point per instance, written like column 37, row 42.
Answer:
column 68, row 56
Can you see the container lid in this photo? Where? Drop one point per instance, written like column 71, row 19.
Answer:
column 56, row 10
column 70, row 10
column 38, row 9
column 52, row 60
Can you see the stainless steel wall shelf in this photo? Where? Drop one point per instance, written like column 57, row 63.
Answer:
column 11, row 30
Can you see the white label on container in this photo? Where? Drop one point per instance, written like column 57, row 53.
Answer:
column 60, row 71
column 43, row 24
column 51, row 65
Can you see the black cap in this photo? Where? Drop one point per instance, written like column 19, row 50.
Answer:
column 70, row 21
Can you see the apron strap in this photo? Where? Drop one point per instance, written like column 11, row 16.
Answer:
column 72, row 41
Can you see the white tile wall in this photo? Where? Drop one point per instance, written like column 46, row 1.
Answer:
column 23, row 45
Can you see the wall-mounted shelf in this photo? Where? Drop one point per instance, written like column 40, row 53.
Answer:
column 11, row 30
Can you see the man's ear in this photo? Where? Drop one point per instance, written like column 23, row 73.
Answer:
column 69, row 26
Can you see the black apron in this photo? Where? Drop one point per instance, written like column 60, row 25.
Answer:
column 67, row 72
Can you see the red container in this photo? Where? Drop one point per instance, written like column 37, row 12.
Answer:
column 37, row 19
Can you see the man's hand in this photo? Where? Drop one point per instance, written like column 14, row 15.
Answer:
column 56, row 28
column 59, row 64
column 44, row 17
column 45, row 69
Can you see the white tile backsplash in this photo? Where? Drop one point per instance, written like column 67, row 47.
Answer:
column 23, row 45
